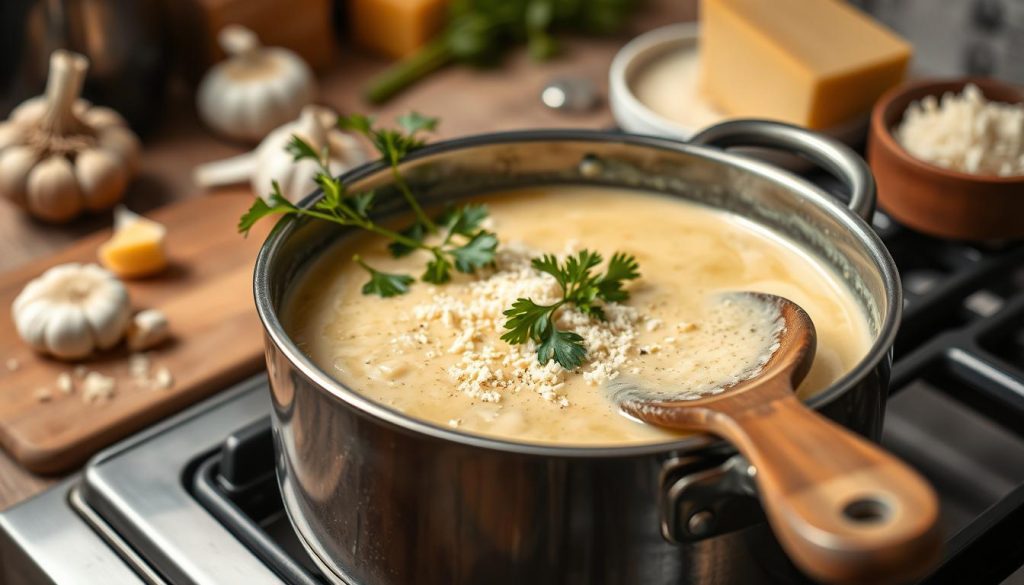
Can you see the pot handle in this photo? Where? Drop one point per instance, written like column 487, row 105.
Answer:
column 828, row 153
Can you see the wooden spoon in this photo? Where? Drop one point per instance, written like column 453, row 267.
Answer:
column 843, row 509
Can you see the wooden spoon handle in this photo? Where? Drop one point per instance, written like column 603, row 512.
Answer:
column 845, row 510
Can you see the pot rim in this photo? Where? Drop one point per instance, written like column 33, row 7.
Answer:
column 276, row 334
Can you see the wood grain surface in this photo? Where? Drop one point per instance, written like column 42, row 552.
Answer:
column 468, row 101
column 216, row 339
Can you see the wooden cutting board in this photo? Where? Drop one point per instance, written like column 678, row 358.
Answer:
column 206, row 294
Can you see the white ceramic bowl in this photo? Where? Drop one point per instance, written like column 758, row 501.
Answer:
column 629, row 112
column 633, row 116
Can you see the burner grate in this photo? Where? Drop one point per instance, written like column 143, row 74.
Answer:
column 237, row 485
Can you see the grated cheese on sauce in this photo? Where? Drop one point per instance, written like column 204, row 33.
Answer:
column 488, row 367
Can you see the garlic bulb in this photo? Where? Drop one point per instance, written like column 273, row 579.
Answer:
column 72, row 310
column 59, row 155
column 271, row 162
column 256, row 89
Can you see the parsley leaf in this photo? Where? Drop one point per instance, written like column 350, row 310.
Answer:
column 383, row 283
column 621, row 267
column 527, row 320
column 414, row 122
column 565, row 347
column 416, row 232
column 439, row 270
column 465, row 220
column 260, row 209
column 476, row 253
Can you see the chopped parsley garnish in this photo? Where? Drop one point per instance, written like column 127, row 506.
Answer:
column 462, row 244
column 582, row 288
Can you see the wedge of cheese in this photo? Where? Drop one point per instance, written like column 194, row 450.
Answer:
column 137, row 247
column 396, row 28
column 817, row 63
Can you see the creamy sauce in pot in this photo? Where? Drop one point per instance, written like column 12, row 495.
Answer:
column 435, row 353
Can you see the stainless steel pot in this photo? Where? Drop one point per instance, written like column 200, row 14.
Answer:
column 380, row 498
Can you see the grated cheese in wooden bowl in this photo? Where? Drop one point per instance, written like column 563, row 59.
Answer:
column 965, row 132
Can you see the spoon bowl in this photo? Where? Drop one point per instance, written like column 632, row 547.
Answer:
column 843, row 509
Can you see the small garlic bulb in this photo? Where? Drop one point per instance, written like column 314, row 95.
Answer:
column 72, row 310
column 256, row 89
column 270, row 161
column 59, row 155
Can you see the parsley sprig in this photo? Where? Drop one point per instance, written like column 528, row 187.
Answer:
column 582, row 288
column 464, row 245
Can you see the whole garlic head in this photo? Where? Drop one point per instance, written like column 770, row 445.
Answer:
column 59, row 155
column 270, row 161
column 256, row 89
column 72, row 310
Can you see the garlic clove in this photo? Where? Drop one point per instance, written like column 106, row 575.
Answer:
column 99, row 117
column 123, row 141
column 16, row 163
column 148, row 329
column 309, row 128
column 102, row 177
column 52, row 191
column 30, row 111
column 106, row 307
column 108, row 316
column 68, row 334
column 30, row 319
column 346, row 150
column 11, row 134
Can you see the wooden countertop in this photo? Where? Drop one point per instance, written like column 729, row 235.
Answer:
column 467, row 101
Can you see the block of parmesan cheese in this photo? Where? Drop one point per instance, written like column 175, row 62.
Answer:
column 395, row 28
column 817, row 63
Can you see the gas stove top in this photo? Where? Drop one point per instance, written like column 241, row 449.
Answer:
column 194, row 500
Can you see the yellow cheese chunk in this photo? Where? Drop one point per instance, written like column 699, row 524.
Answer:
column 817, row 63
column 136, row 248
column 396, row 28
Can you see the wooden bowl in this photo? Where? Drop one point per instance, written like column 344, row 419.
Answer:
column 932, row 199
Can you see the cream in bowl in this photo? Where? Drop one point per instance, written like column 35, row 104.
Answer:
column 435, row 353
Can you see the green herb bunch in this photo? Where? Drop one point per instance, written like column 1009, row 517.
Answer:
column 580, row 287
column 480, row 31
column 464, row 245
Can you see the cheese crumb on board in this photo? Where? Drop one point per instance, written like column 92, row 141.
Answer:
column 965, row 132
column 143, row 376
column 163, row 380
column 43, row 394
column 98, row 388
column 487, row 368
column 136, row 248
column 65, row 384
column 13, row 364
